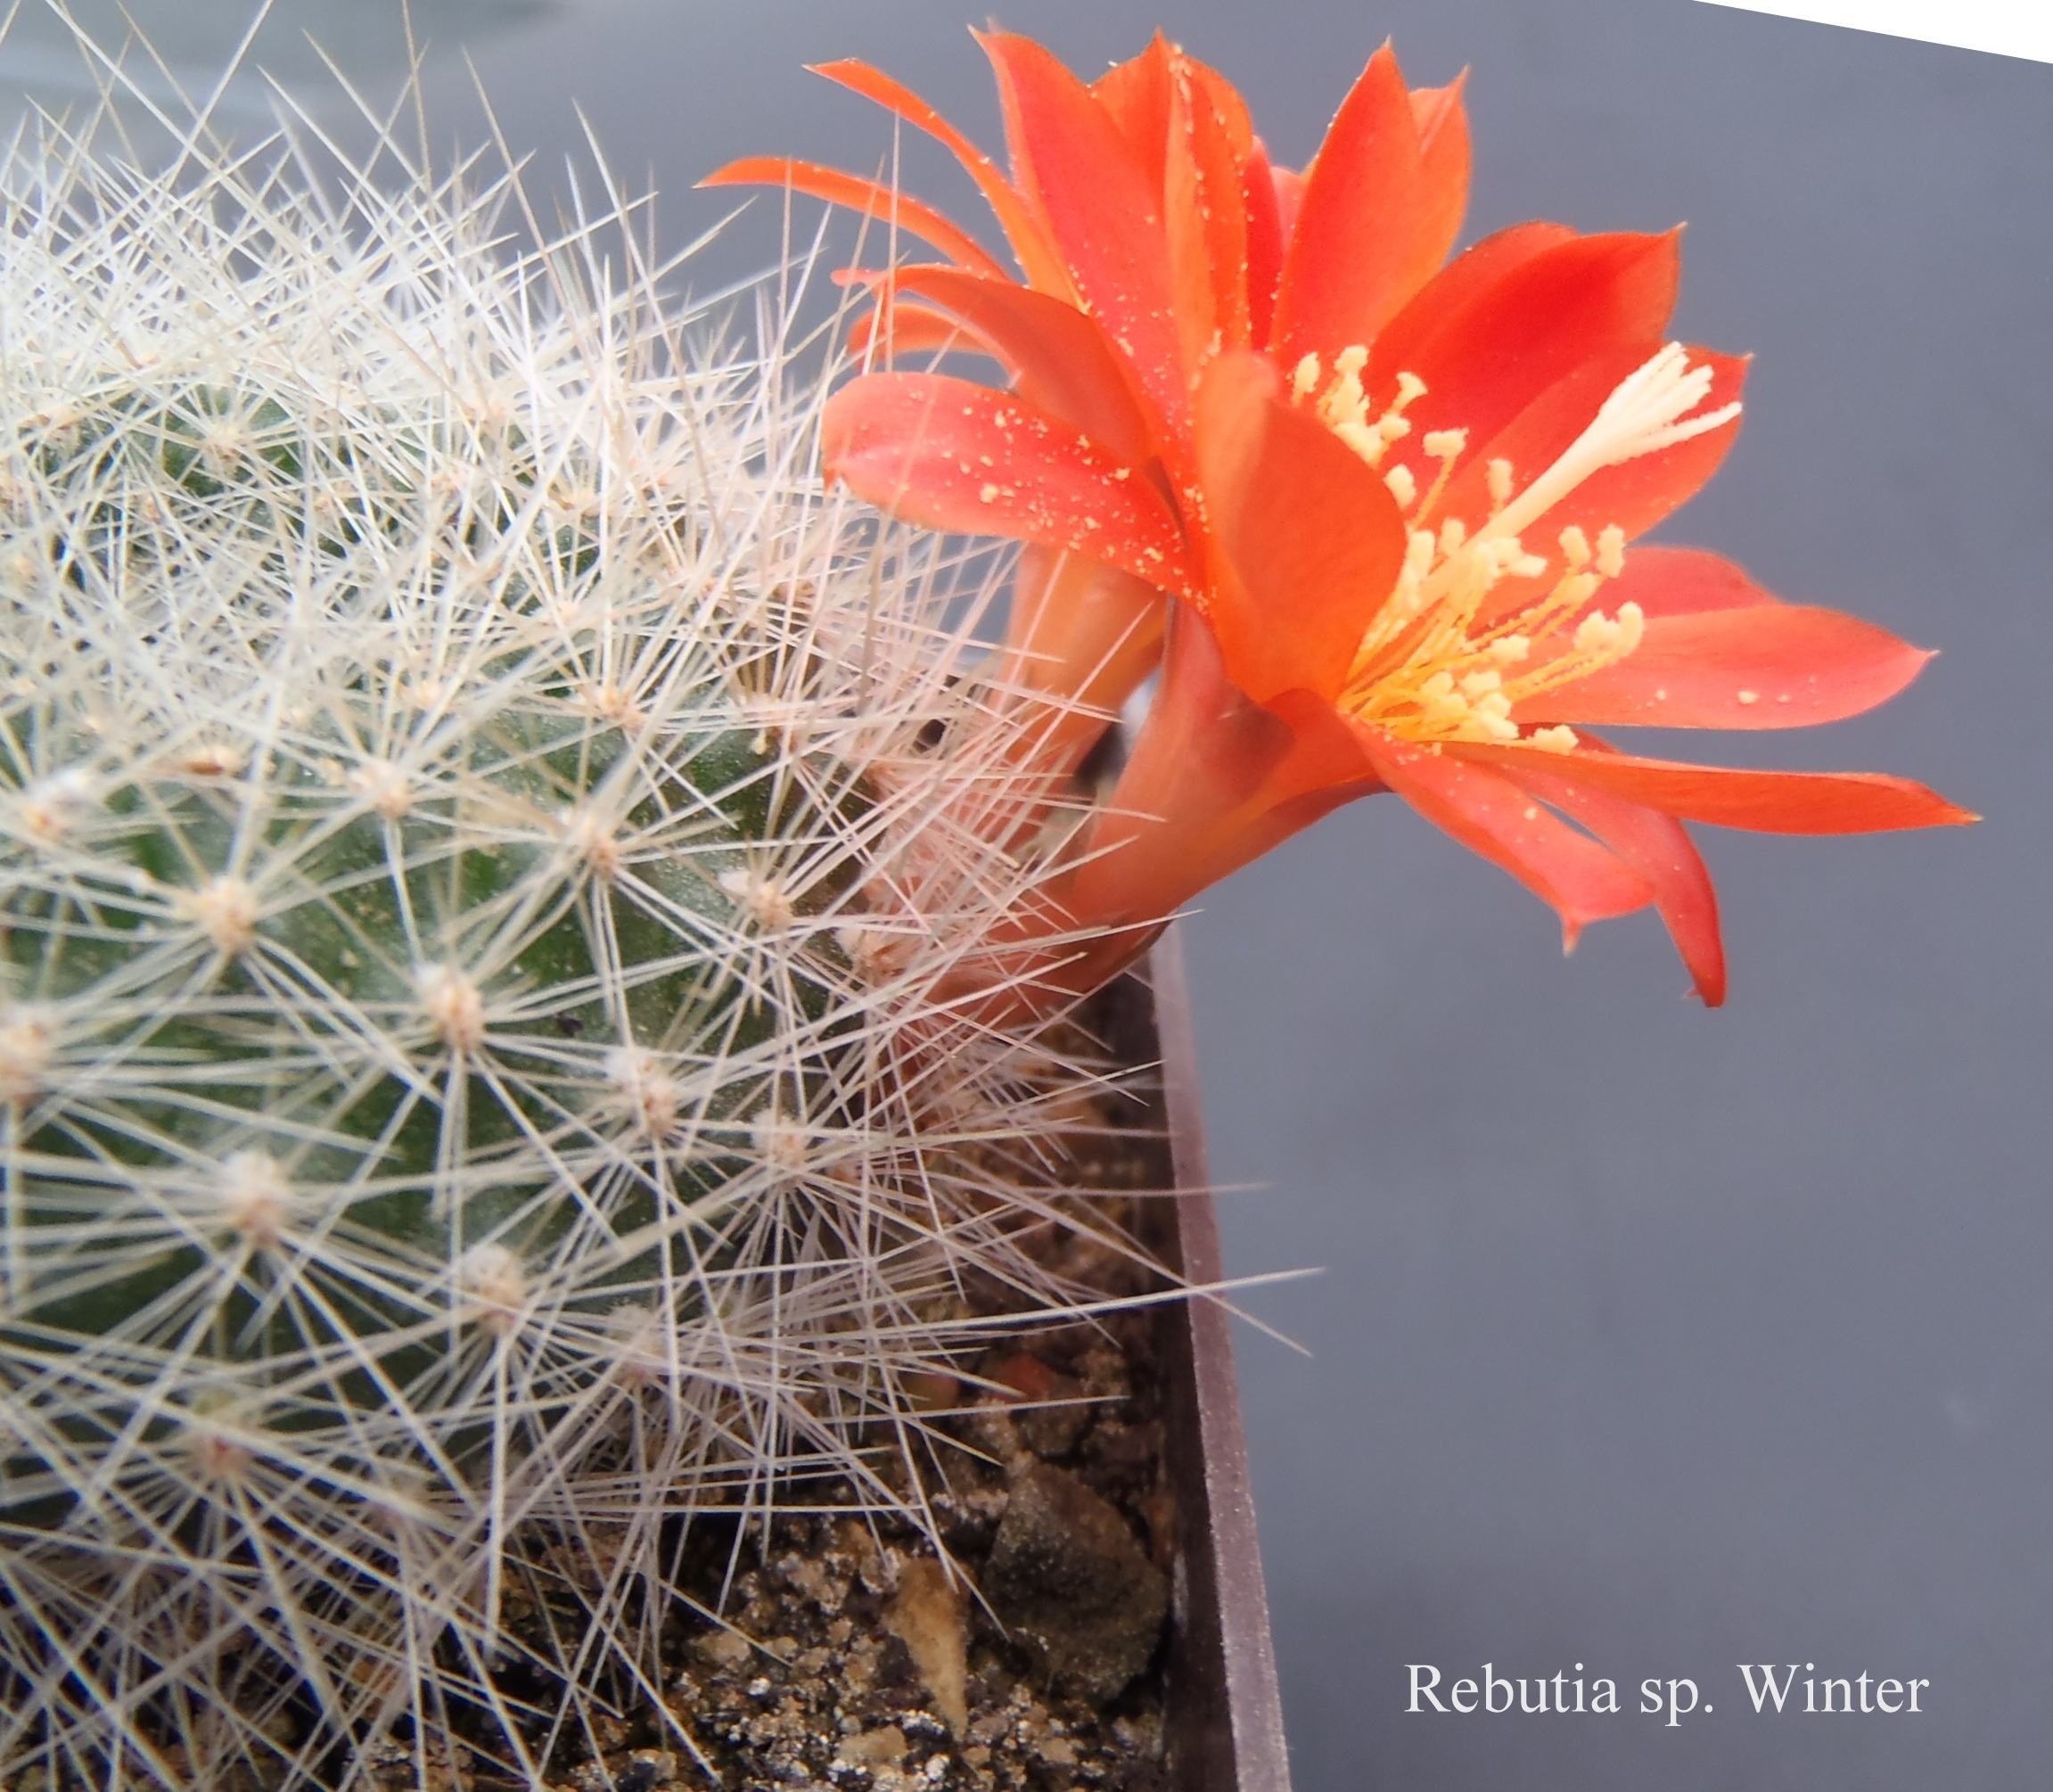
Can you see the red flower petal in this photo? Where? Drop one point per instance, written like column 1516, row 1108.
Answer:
column 1023, row 229
column 1683, row 581
column 1453, row 288
column 1205, row 211
column 1265, row 241
column 1135, row 95
column 1312, row 539
column 872, row 198
column 1766, row 802
column 1060, row 359
column 1774, row 666
column 1371, row 230
column 950, row 455
column 1660, row 850
column 1443, row 152
column 1487, row 359
column 1580, row 879
column 1101, row 212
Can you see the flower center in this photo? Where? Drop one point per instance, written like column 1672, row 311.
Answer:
column 1428, row 669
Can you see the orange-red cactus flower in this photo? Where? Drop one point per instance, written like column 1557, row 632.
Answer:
column 1389, row 501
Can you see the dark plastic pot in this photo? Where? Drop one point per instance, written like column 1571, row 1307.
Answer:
column 1225, row 1716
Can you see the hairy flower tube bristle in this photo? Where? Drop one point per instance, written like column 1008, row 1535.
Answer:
column 487, row 845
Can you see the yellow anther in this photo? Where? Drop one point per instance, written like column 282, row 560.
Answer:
column 1497, row 475
column 1445, row 444
column 1391, row 428
column 1479, row 684
column 1578, row 591
column 1508, row 649
column 1611, row 551
column 1344, row 402
column 1560, row 739
column 1453, row 532
column 1403, row 487
column 1596, row 633
column 1363, row 440
column 1409, row 388
column 1305, row 379
column 1574, row 548
column 1350, row 359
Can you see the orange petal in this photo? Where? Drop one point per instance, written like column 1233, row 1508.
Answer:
column 1370, row 231
column 1023, row 229
column 1311, row 536
column 872, row 198
column 950, row 455
column 1059, row 357
column 1533, row 325
column 1774, row 666
column 1660, row 850
column 1580, row 879
column 1101, row 212
column 1766, row 802
column 903, row 329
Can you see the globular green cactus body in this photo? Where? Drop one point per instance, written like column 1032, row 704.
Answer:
column 486, row 845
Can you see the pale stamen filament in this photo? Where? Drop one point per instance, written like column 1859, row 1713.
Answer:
column 1647, row 411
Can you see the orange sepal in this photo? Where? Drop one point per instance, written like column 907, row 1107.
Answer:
column 1100, row 208
column 1060, row 359
column 949, row 454
column 886, row 205
column 1023, row 230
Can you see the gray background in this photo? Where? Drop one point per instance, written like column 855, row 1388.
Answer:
column 1647, row 1338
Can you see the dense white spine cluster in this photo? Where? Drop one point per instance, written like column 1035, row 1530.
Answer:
column 489, row 853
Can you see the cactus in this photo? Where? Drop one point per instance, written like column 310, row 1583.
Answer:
column 488, row 854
